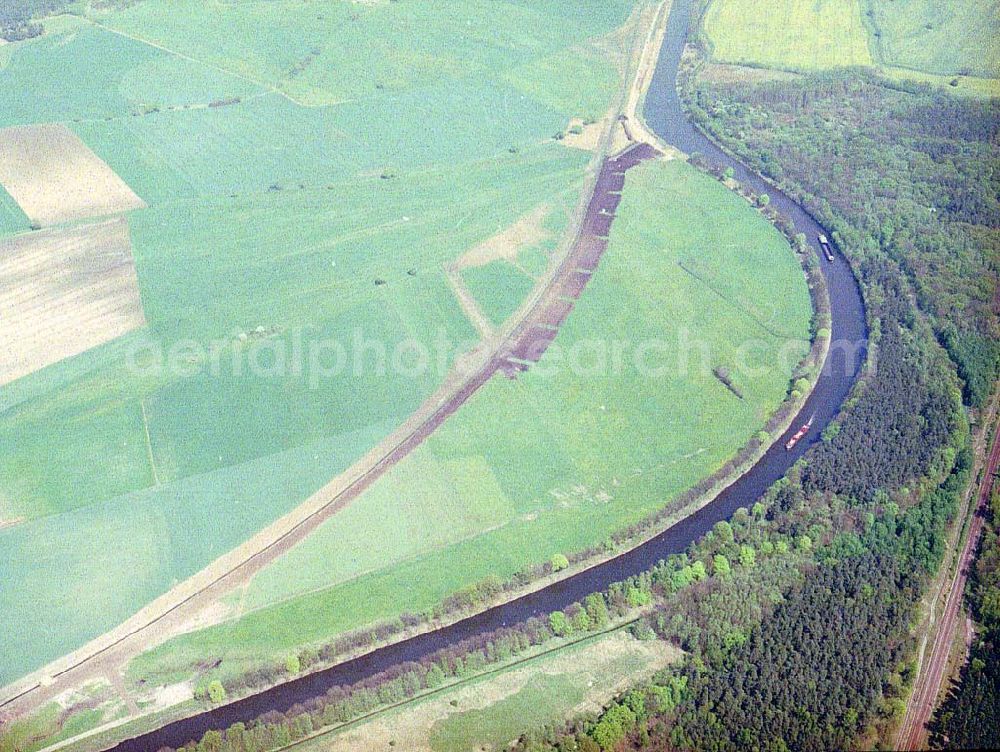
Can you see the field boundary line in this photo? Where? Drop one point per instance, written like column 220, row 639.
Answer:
column 149, row 443
column 204, row 63
column 740, row 309
column 247, row 559
column 461, row 683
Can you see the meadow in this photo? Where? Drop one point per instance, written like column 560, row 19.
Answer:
column 956, row 37
column 557, row 459
column 788, row 34
column 12, row 218
column 486, row 713
column 274, row 216
column 501, row 285
column 917, row 39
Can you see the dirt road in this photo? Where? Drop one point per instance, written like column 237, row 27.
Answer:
column 912, row 733
column 176, row 610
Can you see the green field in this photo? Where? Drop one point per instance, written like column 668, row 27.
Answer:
column 499, row 287
column 927, row 37
column 486, row 713
column 555, row 460
column 788, row 34
column 543, row 700
column 12, row 219
column 307, row 181
column 949, row 38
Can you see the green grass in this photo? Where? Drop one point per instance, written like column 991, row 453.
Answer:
column 555, row 460
column 573, row 84
column 947, row 38
column 43, row 80
column 262, row 444
column 930, row 39
column 301, row 261
column 349, row 51
column 269, row 212
column 966, row 86
column 789, row 34
column 12, row 219
column 508, row 701
column 543, row 700
column 499, row 288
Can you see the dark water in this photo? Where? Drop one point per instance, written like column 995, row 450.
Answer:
column 665, row 115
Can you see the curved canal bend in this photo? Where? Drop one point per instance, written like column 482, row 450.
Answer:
column 665, row 114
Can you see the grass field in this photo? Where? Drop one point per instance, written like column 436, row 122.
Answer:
column 489, row 712
column 788, row 34
column 274, row 216
column 499, row 287
column 910, row 38
column 949, row 38
column 12, row 218
column 558, row 458
column 344, row 52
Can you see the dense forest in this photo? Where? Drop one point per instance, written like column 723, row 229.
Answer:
column 968, row 717
column 902, row 170
column 796, row 616
column 18, row 18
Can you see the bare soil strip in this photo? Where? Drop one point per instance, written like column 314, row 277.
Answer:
column 174, row 611
column 506, row 245
column 63, row 292
column 55, row 178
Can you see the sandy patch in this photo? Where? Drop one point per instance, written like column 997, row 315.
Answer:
column 215, row 613
column 410, row 726
column 172, row 694
column 507, row 244
column 11, row 522
column 54, row 177
column 580, row 135
column 63, row 292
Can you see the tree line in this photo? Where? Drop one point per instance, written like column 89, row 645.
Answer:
column 19, row 18
column 967, row 719
column 801, row 641
column 899, row 170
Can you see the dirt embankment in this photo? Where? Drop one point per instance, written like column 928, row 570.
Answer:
column 176, row 610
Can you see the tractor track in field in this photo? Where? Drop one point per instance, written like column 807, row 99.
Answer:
column 530, row 332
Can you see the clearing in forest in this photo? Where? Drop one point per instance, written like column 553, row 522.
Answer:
column 54, row 177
